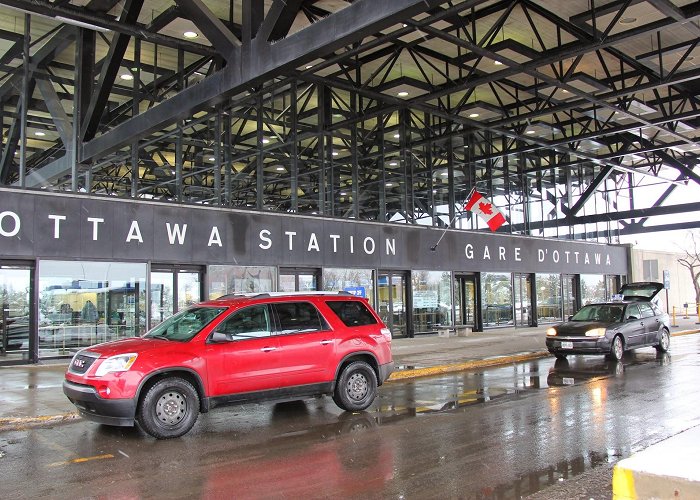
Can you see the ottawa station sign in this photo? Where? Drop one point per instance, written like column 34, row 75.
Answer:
column 60, row 226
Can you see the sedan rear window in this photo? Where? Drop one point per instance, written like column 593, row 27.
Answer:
column 352, row 312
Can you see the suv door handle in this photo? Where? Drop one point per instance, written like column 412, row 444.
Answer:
column 268, row 349
column 326, row 342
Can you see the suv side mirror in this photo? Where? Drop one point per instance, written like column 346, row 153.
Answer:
column 219, row 337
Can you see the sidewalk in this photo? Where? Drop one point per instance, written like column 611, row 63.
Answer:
column 31, row 395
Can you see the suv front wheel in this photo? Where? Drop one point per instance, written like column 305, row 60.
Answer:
column 356, row 387
column 169, row 408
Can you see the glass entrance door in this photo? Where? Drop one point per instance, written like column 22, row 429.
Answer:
column 465, row 298
column 298, row 280
column 391, row 291
column 15, row 305
column 173, row 290
column 522, row 296
column 569, row 295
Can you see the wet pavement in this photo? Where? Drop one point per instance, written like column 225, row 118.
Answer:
column 31, row 395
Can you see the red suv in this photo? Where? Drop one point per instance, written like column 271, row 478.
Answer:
column 235, row 349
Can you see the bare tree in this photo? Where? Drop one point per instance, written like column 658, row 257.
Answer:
column 691, row 262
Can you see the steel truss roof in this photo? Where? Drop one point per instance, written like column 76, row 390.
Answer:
column 579, row 117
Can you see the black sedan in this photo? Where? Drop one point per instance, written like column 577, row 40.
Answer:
column 611, row 328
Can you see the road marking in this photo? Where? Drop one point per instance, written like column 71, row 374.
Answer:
column 82, row 460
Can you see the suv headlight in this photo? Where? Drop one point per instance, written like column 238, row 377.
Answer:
column 596, row 332
column 118, row 363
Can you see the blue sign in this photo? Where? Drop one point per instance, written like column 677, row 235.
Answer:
column 358, row 291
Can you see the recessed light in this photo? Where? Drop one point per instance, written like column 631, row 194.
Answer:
column 530, row 132
column 335, row 153
column 265, row 141
column 127, row 76
column 403, row 93
column 389, row 184
column 396, row 136
column 474, row 115
column 628, row 20
column 190, row 34
column 211, row 158
column 564, row 91
column 280, row 169
column 498, row 63
column 309, row 66
column 40, row 134
column 343, row 193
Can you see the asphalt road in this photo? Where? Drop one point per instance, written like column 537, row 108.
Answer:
column 537, row 428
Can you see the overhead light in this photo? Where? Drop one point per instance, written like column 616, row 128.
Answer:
column 474, row 115
column 343, row 193
column 403, row 93
column 309, row 66
column 498, row 63
column 39, row 133
column 335, row 153
column 265, row 141
column 628, row 20
column 211, row 158
column 530, row 132
column 280, row 168
column 444, row 174
column 80, row 24
column 564, row 91
column 126, row 76
column 190, row 34
column 397, row 136
column 389, row 184
column 393, row 163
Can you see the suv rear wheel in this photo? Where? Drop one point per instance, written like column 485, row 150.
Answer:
column 356, row 387
column 169, row 408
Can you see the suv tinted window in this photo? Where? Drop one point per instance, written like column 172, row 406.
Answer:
column 352, row 312
column 251, row 322
column 296, row 317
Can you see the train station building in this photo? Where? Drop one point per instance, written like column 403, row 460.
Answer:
column 155, row 155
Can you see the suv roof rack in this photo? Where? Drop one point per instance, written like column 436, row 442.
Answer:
column 237, row 295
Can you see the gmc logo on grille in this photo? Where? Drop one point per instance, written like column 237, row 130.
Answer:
column 79, row 363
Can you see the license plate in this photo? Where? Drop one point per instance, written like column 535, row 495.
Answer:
column 568, row 381
column 567, row 345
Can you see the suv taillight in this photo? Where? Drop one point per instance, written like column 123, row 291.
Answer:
column 387, row 334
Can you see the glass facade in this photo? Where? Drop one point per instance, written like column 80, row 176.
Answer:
column 549, row 298
column 15, row 300
column 432, row 300
column 84, row 303
column 592, row 288
column 497, row 299
column 230, row 279
column 356, row 281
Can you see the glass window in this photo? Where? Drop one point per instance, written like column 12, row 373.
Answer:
column 632, row 312
column 496, row 293
column 356, row 281
column 592, row 288
column 298, row 317
column 184, row 325
column 84, row 303
column 432, row 300
column 231, row 279
column 549, row 298
column 646, row 310
column 352, row 312
column 251, row 322
column 14, row 312
column 599, row 312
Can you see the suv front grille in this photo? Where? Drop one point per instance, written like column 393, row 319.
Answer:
column 82, row 361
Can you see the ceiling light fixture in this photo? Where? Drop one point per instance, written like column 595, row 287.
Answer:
column 39, row 134
column 403, row 93
column 498, row 63
column 190, row 34
column 474, row 115
column 127, row 76
column 628, row 20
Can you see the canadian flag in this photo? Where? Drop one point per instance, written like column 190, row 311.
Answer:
column 485, row 209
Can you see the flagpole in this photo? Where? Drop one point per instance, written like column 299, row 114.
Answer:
column 444, row 231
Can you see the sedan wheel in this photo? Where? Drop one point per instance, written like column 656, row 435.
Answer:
column 664, row 341
column 617, row 349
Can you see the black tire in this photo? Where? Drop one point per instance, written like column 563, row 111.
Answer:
column 169, row 408
column 664, row 341
column 356, row 387
column 617, row 349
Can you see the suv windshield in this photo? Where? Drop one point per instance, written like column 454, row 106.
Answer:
column 599, row 312
column 184, row 325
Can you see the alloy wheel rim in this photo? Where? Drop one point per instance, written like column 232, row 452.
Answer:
column 618, row 348
column 171, row 407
